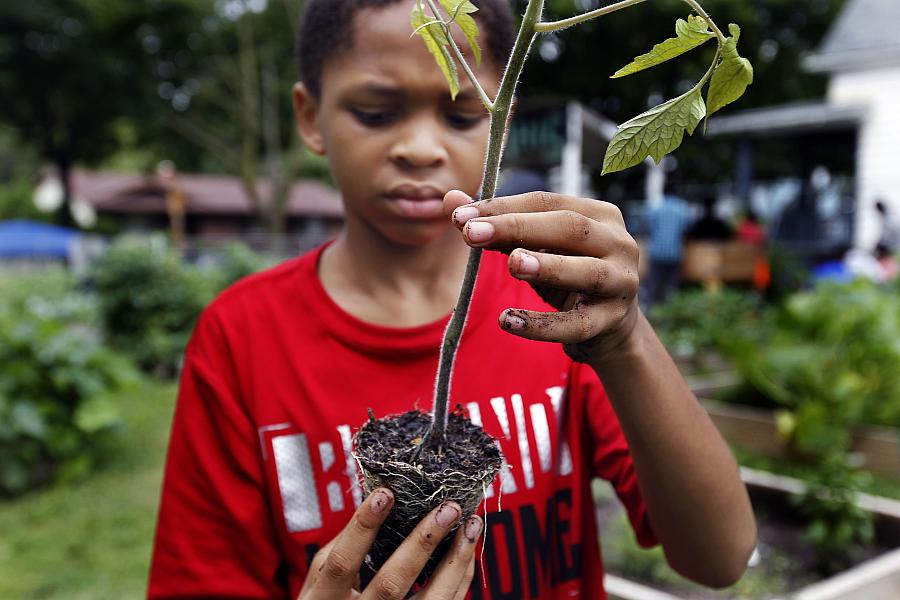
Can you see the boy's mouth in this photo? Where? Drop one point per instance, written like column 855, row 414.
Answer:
column 412, row 201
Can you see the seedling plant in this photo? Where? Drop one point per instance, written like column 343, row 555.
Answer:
column 429, row 459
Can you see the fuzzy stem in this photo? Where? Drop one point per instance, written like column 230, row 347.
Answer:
column 557, row 25
column 499, row 120
column 699, row 9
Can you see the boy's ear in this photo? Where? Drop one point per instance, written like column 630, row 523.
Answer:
column 306, row 111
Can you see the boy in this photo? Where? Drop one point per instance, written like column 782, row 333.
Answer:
column 283, row 366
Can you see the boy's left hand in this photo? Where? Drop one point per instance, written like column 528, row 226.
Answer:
column 577, row 255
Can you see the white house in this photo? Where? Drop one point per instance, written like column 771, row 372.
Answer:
column 861, row 56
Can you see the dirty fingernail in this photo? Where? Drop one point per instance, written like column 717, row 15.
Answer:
column 514, row 322
column 479, row 231
column 447, row 515
column 528, row 264
column 380, row 501
column 464, row 213
column 473, row 528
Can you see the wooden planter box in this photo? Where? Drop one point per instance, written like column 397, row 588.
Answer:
column 874, row 579
column 754, row 429
column 719, row 262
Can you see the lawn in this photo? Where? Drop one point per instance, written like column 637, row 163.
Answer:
column 92, row 540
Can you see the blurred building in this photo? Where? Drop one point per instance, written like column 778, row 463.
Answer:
column 210, row 209
column 851, row 133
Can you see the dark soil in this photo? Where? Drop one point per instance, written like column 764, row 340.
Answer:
column 459, row 469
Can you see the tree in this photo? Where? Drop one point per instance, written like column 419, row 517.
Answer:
column 71, row 71
column 227, row 92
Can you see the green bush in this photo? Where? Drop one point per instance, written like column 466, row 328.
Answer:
column 691, row 322
column 237, row 261
column 55, row 384
column 831, row 362
column 149, row 300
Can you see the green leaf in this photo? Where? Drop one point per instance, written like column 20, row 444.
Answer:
column 460, row 12
column 26, row 418
column 437, row 43
column 654, row 133
column 731, row 77
column 96, row 413
column 690, row 34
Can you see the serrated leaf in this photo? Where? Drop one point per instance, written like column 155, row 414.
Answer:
column 731, row 77
column 460, row 12
column 689, row 34
column 654, row 133
column 437, row 43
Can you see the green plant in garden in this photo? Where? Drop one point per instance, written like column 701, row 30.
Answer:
column 831, row 362
column 238, row 260
column 836, row 523
column 653, row 133
column 691, row 322
column 56, row 381
column 149, row 300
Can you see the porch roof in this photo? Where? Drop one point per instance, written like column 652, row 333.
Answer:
column 785, row 119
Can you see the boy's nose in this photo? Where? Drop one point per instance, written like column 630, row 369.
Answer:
column 419, row 146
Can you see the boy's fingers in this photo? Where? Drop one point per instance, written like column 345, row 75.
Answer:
column 394, row 579
column 453, row 573
column 467, row 581
column 532, row 202
column 340, row 568
column 453, row 200
column 584, row 274
column 585, row 321
column 565, row 232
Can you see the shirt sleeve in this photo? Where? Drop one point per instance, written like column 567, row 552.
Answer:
column 214, row 537
column 610, row 456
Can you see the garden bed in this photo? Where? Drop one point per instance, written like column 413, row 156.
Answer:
column 784, row 564
column 750, row 428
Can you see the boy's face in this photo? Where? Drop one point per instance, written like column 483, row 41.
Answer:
column 395, row 140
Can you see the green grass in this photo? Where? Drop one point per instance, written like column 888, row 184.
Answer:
column 92, row 540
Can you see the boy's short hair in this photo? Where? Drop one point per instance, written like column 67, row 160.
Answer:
column 325, row 30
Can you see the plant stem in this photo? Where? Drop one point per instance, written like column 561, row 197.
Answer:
column 699, row 9
column 557, row 25
column 499, row 120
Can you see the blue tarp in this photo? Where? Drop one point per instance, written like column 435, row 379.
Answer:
column 32, row 239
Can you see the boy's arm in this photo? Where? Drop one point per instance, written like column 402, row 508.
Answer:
column 579, row 257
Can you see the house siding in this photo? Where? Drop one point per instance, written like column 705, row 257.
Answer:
column 878, row 149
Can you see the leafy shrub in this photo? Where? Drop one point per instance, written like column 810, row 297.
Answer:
column 237, row 261
column 832, row 363
column 691, row 322
column 149, row 300
column 832, row 360
column 55, row 384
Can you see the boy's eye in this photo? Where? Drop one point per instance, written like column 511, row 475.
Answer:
column 373, row 118
column 463, row 120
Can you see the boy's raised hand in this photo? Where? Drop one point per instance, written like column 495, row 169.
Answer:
column 334, row 572
column 577, row 255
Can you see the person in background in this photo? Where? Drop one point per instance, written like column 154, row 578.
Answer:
column 665, row 223
column 750, row 230
column 709, row 227
column 889, row 242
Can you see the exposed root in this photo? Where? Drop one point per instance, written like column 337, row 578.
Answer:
column 459, row 470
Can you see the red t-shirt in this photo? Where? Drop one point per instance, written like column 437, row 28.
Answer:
column 276, row 380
